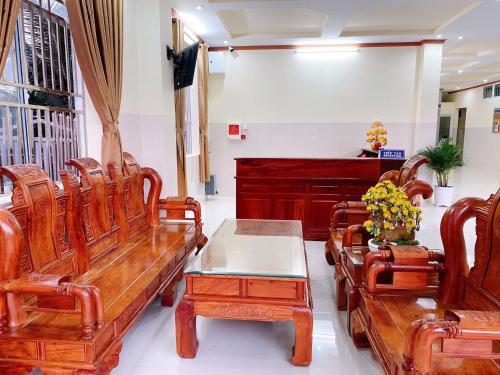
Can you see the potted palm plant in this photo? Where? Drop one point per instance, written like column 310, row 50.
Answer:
column 444, row 157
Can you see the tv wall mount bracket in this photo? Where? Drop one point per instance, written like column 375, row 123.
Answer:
column 172, row 55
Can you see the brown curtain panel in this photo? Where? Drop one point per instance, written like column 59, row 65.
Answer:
column 97, row 27
column 203, row 112
column 180, row 115
column 9, row 10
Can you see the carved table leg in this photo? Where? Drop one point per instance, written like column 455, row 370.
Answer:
column 169, row 295
column 340, row 280
column 202, row 242
column 352, row 302
column 302, row 350
column 185, row 329
column 328, row 254
column 357, row 330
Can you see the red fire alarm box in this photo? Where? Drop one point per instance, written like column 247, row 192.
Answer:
column 237, row 131
column 234, row 131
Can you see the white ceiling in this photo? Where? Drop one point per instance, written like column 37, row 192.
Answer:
column 264, row 22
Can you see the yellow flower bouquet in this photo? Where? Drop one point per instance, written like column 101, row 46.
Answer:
column 392, row 216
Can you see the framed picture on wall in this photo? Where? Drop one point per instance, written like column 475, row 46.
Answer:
column 496, row 121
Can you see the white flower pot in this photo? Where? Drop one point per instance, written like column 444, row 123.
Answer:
column 443, row 196
column 371, row 245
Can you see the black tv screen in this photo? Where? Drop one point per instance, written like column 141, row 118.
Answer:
column 185, row 65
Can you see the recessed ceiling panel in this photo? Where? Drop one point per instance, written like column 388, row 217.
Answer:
column 466, row 77
column 412, row 18
column 490, row 67
column 475, row 47
column 273, row 23
column 451, row 63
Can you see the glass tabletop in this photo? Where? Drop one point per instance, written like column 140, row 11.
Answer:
column 269, row 248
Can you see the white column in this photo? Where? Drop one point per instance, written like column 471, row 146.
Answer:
column 426, row 101
column 154, row 32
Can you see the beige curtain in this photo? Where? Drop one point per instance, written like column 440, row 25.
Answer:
column 97, row 27
column 203, row 112
column 9, row 10
column 180, row 118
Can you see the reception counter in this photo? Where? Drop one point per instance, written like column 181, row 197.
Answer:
column 303, row 189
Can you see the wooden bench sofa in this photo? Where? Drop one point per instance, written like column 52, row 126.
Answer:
column 78, row 267
column 454, row 328
column 349, row 213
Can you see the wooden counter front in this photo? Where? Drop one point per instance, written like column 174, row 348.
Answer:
column 303, row 189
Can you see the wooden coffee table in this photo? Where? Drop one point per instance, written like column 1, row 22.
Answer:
column 249, row 270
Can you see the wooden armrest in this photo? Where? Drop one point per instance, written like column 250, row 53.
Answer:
column 92, row 311
column 351, row 212
column 351, row 216
column 401, row 259
column 418, row 187
column 178, row 207
column 392, row 176
column 464, row 333
column 347, row 237
column 356, row 205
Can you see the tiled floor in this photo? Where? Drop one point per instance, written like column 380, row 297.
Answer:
column 236, row 347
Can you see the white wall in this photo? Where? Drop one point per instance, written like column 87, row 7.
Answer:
column 481, row 146
column 314, row 105
column 147, row 116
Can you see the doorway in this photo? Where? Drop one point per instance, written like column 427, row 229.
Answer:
column 462, row 114
column 444, row 128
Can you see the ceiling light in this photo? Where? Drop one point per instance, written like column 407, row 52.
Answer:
column 485, row 80
column 460, row 37
column 199, row 7
column 460, row 71
column 226, row 42
column 327, row 49
column 439, row 36
column 458, row 87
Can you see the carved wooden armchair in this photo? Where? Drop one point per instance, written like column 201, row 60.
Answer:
column 415, row 327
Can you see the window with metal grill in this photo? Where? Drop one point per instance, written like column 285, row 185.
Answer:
column 41, row 91
column 487, row 92
column 497, row 90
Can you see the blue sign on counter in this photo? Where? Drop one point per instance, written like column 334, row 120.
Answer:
column 391, row 154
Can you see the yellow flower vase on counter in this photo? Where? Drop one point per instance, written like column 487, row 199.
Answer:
column 377, row 135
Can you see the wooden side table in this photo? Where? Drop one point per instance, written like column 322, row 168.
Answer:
column 349, row 278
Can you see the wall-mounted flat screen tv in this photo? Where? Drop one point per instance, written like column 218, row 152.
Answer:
column 185, row 65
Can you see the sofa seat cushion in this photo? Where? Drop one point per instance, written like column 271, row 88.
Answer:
column 391, row 316
column 128, row 279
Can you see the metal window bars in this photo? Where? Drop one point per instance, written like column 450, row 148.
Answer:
column 41, row 99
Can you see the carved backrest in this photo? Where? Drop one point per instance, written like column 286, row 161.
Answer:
column 135, row 194
column 134, row 214
column 40, row 208
column 131, row 177
column 97, row 206
column 479, row 287
column 409, row 169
